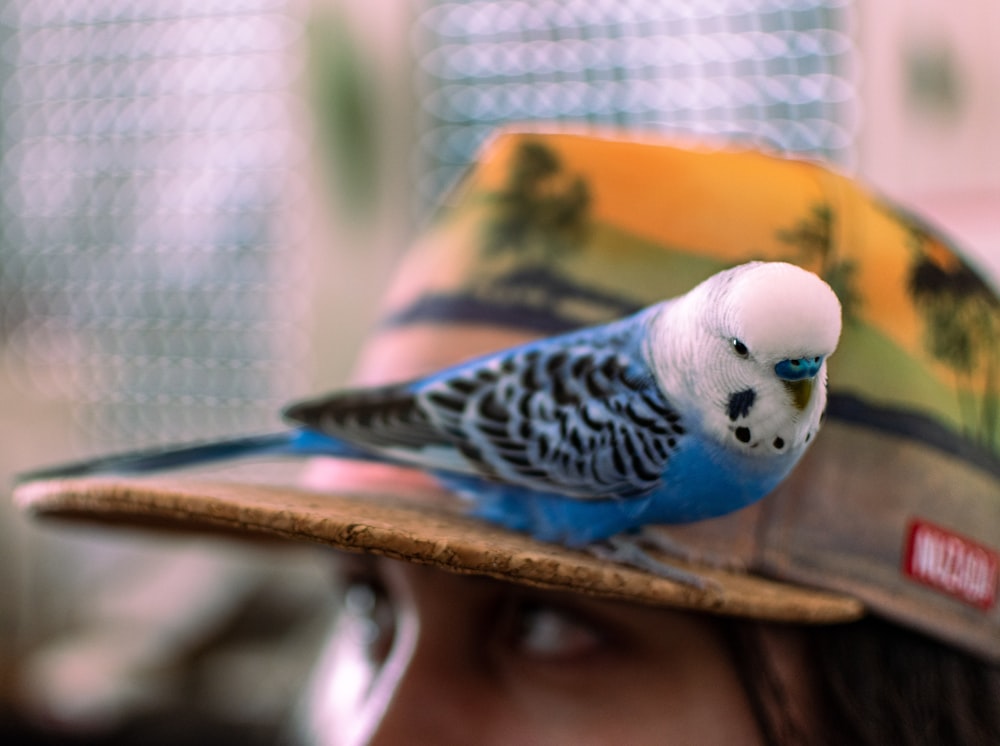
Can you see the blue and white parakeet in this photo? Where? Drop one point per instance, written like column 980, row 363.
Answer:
column 689, row 409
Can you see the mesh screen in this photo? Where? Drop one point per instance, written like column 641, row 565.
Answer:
column 769, row 71
column 144, row 271
column 148, row 177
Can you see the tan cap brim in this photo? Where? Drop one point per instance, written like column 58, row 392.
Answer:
column 432, row 534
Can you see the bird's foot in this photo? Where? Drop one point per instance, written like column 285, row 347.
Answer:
column 662, row 543
column 627, row 550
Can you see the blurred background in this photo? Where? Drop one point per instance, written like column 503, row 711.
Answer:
column 201, row 201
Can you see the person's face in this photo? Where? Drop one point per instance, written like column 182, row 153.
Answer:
column 424, row 656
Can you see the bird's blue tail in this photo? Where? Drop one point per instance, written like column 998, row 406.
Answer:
column 299, row 442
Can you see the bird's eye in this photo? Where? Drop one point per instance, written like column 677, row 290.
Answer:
column 740, row 348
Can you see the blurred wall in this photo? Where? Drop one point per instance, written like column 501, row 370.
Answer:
column 930, row 88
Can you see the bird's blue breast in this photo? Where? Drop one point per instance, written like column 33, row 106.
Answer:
column 701, row 481
column 704, row 480
column 551, row 517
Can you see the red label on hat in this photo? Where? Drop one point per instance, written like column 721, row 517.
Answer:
column 952, row 564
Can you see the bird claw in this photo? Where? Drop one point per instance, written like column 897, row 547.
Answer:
column 625, row 551
column 663, row 544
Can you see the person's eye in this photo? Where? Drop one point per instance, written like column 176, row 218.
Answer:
column 368, row 607
column 549, row 633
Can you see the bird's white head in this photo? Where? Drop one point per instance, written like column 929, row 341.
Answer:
column 748, row 348
column 783, row 314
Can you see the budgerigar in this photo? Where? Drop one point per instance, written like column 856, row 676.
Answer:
column 689, row 409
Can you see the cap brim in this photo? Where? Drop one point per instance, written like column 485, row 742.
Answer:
column 433, row 534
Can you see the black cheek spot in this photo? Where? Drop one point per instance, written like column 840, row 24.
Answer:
column 743, row 434
column 740, row 403
column 779, row 443
column 808, row 437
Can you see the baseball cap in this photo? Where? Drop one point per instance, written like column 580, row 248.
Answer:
column 895, row 508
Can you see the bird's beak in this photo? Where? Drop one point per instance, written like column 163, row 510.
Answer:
column 801, row 391
column 799, row 375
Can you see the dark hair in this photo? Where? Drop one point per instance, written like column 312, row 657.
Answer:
column 874, row 683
